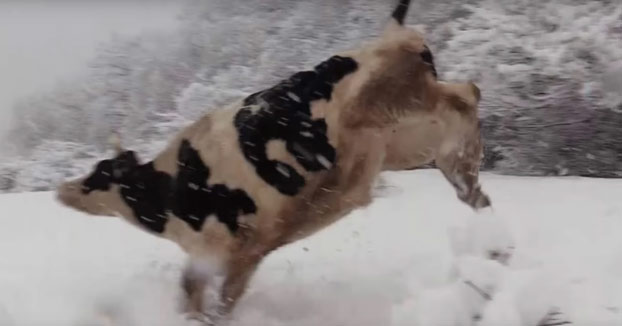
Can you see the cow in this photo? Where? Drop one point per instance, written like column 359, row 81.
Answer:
column 289, row 160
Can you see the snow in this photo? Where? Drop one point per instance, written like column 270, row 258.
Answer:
column 392, row 263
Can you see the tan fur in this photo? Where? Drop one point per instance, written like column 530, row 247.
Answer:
column 396, row 86
column 448, row 135
column 390, row 114
column 455, row 114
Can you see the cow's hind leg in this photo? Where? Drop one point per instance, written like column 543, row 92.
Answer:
column 197, row 275
column 240, row 269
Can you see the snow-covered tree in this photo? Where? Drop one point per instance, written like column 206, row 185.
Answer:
column 549, row 71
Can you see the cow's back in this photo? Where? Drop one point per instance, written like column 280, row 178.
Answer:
column 265, row 155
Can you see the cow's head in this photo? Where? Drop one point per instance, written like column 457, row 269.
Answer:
column 396, row 85
column 395, row 78
column 99, row 193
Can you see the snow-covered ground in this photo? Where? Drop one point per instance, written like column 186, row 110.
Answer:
column 375, row 267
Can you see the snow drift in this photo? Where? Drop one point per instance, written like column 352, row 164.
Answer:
column 378, row 266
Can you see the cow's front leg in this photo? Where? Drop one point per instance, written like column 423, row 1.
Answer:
column 461, row 169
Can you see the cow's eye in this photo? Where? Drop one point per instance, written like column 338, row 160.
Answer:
column 428, row 58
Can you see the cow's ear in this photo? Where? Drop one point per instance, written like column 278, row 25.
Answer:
column 477, row 93
column 463, row 97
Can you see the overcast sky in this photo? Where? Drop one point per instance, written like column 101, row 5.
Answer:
column 44, row 41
